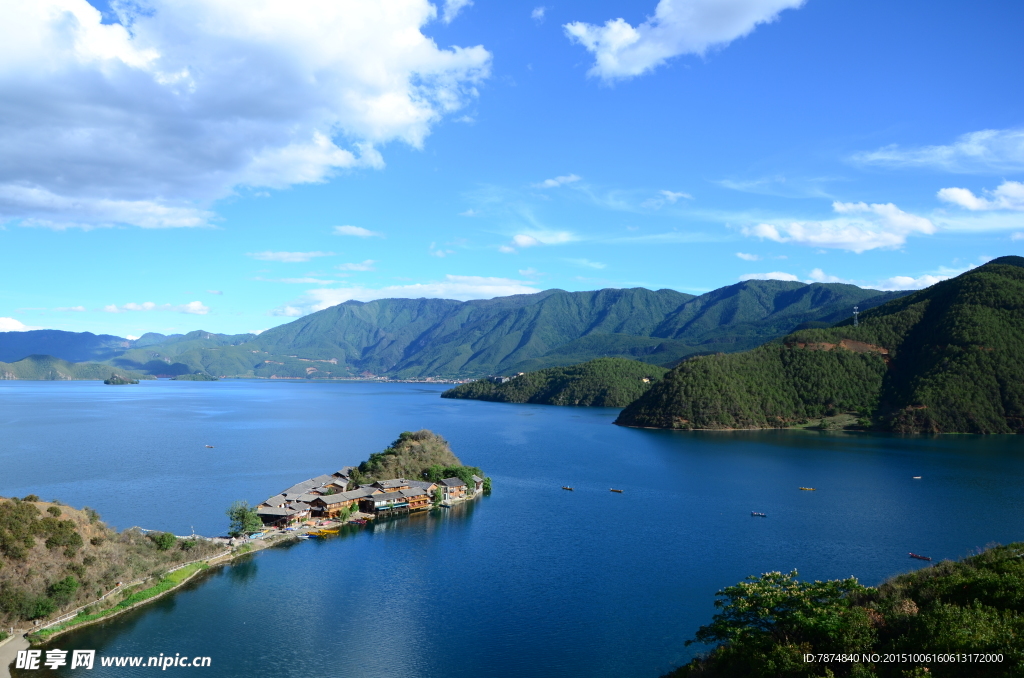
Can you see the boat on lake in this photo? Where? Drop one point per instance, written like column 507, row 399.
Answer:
column 566, row 487
column 917, row 477
column 210, row 446
column 914, row 555
column 614, row 490
column 759, row 515
column 809, row 489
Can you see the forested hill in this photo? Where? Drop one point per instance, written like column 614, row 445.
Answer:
column 949, row 358
column 48, row 368
column 442, row 337
column 605, row 382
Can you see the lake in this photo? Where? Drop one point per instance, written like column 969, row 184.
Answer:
column 529, row 581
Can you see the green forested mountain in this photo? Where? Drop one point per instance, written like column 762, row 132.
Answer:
column 48, row 368
column 441, row 337
column 949, row 358
column 605, row 382
column 420, row 337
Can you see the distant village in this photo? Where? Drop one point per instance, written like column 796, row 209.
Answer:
column 329, row 496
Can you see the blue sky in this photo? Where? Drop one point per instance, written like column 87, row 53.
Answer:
column 230, row 165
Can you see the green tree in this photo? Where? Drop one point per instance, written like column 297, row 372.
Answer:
column 244, row 519
column 163, row 540
column 766, row 624
column 63, row 591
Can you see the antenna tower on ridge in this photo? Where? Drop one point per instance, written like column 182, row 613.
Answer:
column 855, row 313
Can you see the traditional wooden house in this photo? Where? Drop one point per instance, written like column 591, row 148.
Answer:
column 393, row 484
column 410, row 499
column 478, row 484
column 454, row 488
column 331, row 505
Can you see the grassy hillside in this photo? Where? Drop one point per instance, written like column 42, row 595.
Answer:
column 54, row 558
column 605, row 382
column 767, row 624
column 949, row 358
column 48, row 368
column 420, row 455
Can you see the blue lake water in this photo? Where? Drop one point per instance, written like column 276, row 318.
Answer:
column 529, row 581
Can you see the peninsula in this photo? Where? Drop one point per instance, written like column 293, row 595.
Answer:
column 605, row 382
column 417, row 471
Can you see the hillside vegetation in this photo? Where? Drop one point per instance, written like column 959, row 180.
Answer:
column 605, row 382
column 405, row 338
column 767, row 624
column 419, row 455
column 949, row 358
column 54, row 558
column 48, row 368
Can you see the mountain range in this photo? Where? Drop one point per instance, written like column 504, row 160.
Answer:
column 412, row 338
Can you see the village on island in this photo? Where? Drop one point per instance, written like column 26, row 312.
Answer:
column 329, row 497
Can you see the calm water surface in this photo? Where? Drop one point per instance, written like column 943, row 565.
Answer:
column 530, row 581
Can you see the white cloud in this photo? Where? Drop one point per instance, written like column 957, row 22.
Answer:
column 543, row 238
column 217, row 292
column 461, row 287
column 557, row 181
column 452, row 8
column 288, row 257
column 506, row 249
column 748, row 257
column 587, row 263
column 529, row 272
column 818, row 275
column 906, row 282
column 288, row 312
column 673, row 196
column 12, row 325
column 670, row 197
column 357, row 231
column 1009, row 195
column 76, row 309
column 989, row 150
column 677, row 27
column 774, row 275
column 192, row 307
column 130, row 337
column 364, row 266
column 868, row 227
column 149, row 120
column 1017, row 236
column 538, row 13
column 440, row 253
column 469, row 213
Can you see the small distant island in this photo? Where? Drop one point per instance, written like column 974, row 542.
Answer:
column 198, row 376
column 604, row 382
column 118, row 380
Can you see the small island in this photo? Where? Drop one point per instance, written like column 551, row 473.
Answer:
column 198, row 376
column 118, row 380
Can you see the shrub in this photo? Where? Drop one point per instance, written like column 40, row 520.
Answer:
column 54, row 511
column 31, row 497
column 163, row 540
column 63, row 591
